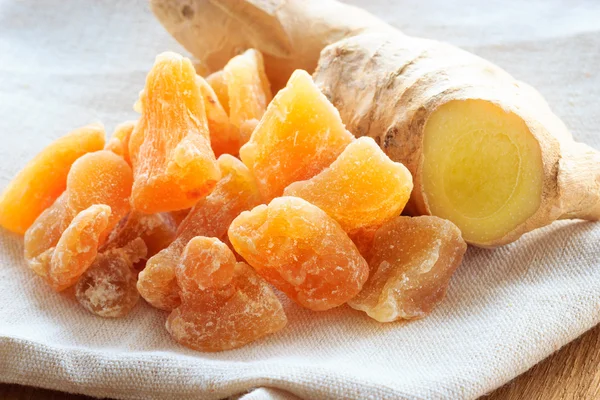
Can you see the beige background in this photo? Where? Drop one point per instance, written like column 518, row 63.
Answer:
column 67, row 63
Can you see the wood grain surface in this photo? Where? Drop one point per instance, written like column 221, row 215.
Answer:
column 572, row 373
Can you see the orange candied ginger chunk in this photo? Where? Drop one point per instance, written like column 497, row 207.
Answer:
column 411, row 262
column 362, row 188
column 224, row 136
column 76, row 249
column 99, row 178
column 224, row 304
column 173, row 163
column 156, row 230
column 300, row 134
column 217, row 82
column 44, row 178
column 107, row 287
column 119, row 141
column 248, row 91
column 302, row 251
column 211, row 216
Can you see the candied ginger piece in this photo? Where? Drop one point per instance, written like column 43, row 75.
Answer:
column 101, row 177
column 179, row 215
column 360, row 189
column 300, row 134
column 224, row 304
column 156, row 230
column 44, row 178
column 248, row 89
column 216, row 81
column 211, row 216
column 173, row 163
column 298, row 248
column 412, row 260
column 119, row 141
column 224, row 136
column 107, row 288
column 76, row 249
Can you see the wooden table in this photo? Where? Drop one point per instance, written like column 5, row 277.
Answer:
column 571, row 373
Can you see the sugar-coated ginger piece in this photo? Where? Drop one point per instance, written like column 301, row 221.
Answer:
column 248, row 89
column 300, row 134
column 107, row 288
column 298, row 248
column 362, row 188
column 179, row 215
column 411, row 262
column 156, row 230
column 119, row 141
column 44, row 178
column 224, row 136
column 173, row 163
column 216, row 80
column 211, row 216
column 76, row 249
column 224, row 304
column 101, row 177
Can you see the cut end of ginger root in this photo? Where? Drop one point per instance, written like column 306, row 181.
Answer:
column 482, row 169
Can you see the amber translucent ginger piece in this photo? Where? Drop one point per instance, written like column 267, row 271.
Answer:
column 224, row 304
column 216, row 80
column 361, row 188
column 411, row 261
column 174, row 165
column 300, row 134
column 156, row 230
column 95, row 178
column 302, row 251
column 248, row 90
column 62, row 265
column 44, row 178
column 224, row 136
column 211, row 216
column 179, row 215
column 119, row 141
column 107, row 288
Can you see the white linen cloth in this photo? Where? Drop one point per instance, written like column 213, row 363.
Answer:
column 64, row 64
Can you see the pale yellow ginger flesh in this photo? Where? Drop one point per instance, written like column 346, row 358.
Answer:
column 482, row 169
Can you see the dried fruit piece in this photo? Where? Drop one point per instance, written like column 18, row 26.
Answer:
column 298, row 248
column 100, row 178
column 248, row 88
column 211, row 216
column 107, row 288
column 174, row 165
column 179, row 215
column 412, row 261
column 217, row 82
column 224, row 304
column 44, row 178
column 119, row 141
column 156, row 230
column 362, row 188
column 76, row 249
column 95, row 178
column 300, row 134
column 224, row 136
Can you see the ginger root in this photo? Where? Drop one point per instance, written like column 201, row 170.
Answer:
column 484, row 149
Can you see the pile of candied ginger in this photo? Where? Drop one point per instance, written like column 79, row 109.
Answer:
column 220, row 200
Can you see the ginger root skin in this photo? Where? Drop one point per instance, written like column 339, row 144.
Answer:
column 387, row 85
column 289, row 33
